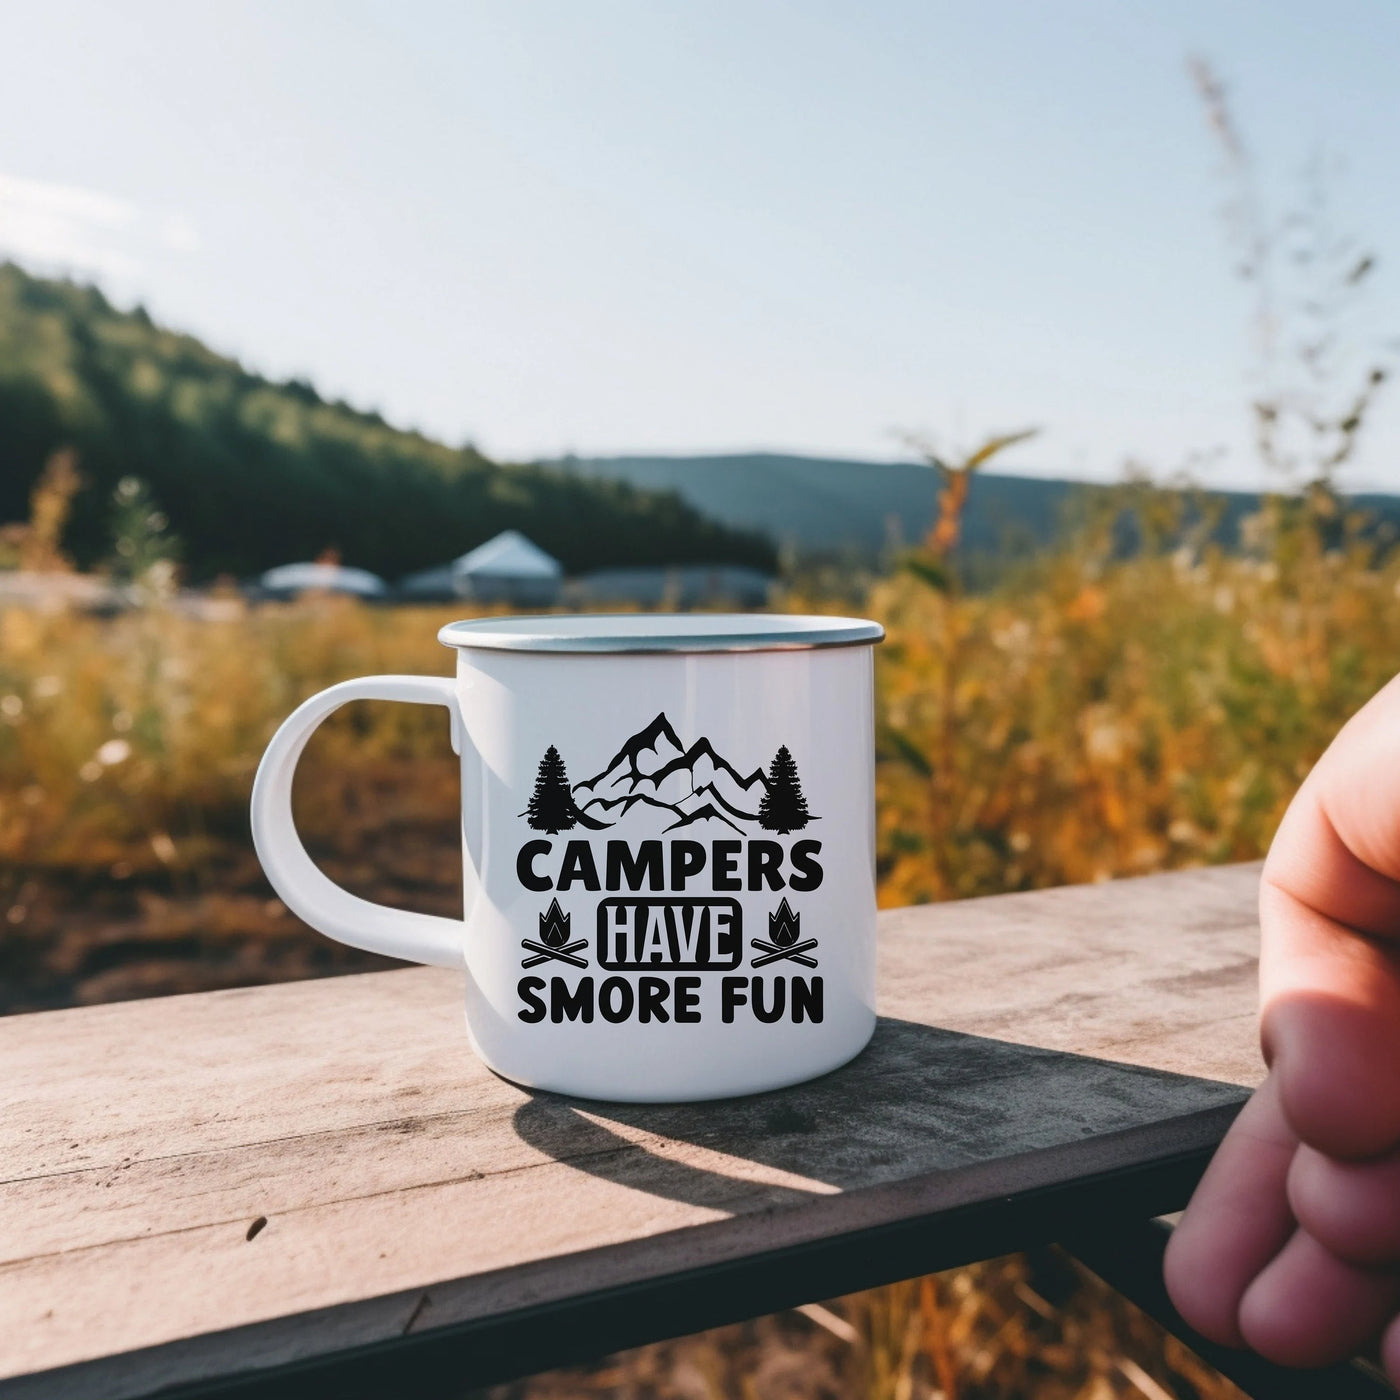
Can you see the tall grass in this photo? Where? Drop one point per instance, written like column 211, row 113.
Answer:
column 1091, row 717
column 1099, row 717
column 135, row 739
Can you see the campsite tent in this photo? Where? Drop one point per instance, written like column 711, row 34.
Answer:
column 292, row 580
column 506, row 569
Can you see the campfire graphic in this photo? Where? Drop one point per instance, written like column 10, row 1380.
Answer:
column 554, row 940
column 784, row 929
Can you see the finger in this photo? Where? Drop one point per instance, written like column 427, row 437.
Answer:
column 1390, row 1352
column 1237, row 1221
column 1331, row 1027
column 1352, row 1209
column 1330, row 913
column 1309, row 1308
column 1337, row 849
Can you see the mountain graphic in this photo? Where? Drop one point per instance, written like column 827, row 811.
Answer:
column 711, row 791
column 702, row 814
column 620, row 806
column 657, row 739
column 654, row 769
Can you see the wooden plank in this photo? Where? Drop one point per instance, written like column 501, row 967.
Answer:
column 1029, row 1042
column 1160, row 971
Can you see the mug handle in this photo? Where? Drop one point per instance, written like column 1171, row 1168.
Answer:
column 397, row 933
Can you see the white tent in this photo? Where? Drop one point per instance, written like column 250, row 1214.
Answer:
column 290, row 580
column 508, row 555
column 508, row 568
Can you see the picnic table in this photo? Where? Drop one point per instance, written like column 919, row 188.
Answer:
column 315, row 1188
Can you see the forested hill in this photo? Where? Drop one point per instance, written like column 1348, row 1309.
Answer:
column 253, row 473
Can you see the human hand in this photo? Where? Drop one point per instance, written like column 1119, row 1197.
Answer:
column 1291, row 1243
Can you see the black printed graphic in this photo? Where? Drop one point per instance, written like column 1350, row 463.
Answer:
column 692, row 786
column 682, row 935
column 554, row 942
column 554, row 925
column 783, row 807
column 784, row 930
column 662, row 888
column 551, row 806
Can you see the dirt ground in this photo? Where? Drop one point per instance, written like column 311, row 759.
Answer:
column 139, row 927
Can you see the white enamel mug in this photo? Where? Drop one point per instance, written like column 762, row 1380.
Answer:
column 668, row 848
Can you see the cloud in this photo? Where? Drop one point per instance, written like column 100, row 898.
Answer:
column 70, row 229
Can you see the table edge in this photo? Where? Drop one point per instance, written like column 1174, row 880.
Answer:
column 976, row 1213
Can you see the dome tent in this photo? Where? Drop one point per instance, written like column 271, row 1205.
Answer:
column 508, row 568
column 292, row 580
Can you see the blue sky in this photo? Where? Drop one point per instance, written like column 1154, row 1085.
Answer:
column 635, row 225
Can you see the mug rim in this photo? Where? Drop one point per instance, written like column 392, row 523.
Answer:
column 622, row 633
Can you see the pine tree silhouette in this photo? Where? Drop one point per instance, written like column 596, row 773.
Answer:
column 783, row 807
column 551, row 805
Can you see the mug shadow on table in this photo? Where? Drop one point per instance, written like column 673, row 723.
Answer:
column 918, row 1100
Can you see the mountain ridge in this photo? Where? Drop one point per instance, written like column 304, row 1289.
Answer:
column 639, row 742
column 623, row 786
column 832, row 505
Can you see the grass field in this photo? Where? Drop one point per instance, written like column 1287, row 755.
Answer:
column 1091, row 717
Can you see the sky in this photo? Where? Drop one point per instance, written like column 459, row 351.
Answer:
column 546, row 226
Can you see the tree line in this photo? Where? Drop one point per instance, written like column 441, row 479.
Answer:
column 253, row 473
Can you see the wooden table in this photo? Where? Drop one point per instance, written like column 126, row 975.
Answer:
column 315, row 1189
